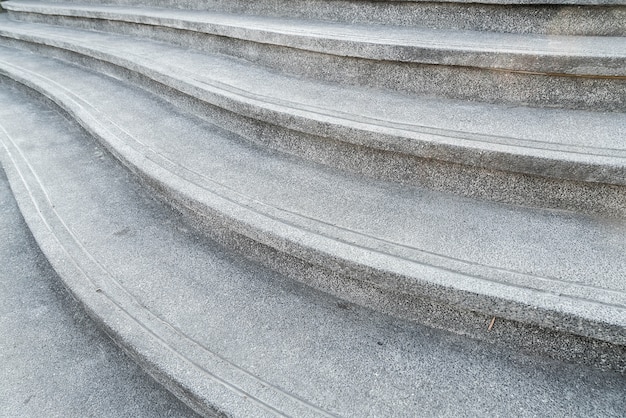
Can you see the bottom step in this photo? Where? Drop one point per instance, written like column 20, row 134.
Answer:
column 55, row 363
column 227, row 335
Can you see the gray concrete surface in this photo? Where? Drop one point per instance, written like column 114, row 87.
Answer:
column 549, row 17
column 54, row 361
column 582, row 56
column 371, row 56
column 261, row 285
column 235, row 336
column 551, row 271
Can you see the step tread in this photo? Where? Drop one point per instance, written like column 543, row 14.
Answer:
column 549, row 260
column 236, row 337
column 576, row 145
column 577, row 55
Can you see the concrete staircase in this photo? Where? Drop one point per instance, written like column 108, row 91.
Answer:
column 357, row 200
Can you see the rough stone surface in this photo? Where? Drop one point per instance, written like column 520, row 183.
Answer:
column 582, row 56
column 558, row 17
column 546, row 71
column 289, row 348
column 264, row 283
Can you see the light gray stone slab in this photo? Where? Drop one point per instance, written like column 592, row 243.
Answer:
column 525, row 17
column 466, row 80
column 571, row 55
column 233, row 336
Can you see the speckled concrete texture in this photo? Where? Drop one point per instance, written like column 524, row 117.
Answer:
column 255, row 343
column 551, row 71
column 317, row 207
column 398, row 239
column 601, row 18
column 54, row 361
column 589, row 56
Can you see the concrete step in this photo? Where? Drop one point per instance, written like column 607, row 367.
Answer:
column 55, row 360
column 555, row 158
column 414, row 253
column 537, row 70
column 572, row 55
column 553, row 17
column 232, row 337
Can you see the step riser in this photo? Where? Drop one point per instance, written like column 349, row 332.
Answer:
column 542, row 19
column 340, row 148
column 430, row 304
column 455, row 82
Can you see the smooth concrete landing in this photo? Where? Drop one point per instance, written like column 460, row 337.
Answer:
column 54, row 362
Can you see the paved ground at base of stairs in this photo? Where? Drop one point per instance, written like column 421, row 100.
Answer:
column 53, row 361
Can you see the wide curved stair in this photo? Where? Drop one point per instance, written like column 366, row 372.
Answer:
column 364, row 208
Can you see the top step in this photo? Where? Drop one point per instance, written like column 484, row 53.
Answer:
column 572, row 72
column 558, row 17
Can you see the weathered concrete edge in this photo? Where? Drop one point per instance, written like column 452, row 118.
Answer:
column 459, row 82
column 568, row 61
column 579, row 196
column 193, row 201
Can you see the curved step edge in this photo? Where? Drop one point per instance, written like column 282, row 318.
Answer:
column 175, row 360
column 576, row 56
column 559, row 345
column 520, row 88
column 134, row 335
column 339, row 143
